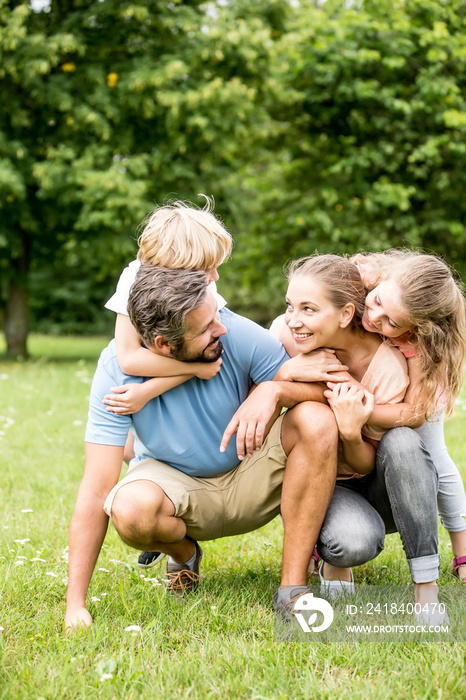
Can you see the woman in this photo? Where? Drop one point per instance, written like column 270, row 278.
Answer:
column 398, row 487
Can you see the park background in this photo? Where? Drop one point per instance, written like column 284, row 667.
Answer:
column 325, row 126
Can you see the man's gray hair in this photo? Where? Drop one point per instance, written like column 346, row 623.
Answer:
column 160, row 299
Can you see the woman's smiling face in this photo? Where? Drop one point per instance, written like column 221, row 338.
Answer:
column 311, row 317
column 384, row 312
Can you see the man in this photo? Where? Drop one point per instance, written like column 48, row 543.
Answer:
column 186, row 484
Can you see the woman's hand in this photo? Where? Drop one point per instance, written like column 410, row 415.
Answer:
column 352, row 406
column 317, row 366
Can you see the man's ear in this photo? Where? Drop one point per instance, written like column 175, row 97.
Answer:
column 347, row 314
column 162, row 345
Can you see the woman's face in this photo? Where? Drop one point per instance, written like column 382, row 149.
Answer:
column 310, row 315
column 384, row 312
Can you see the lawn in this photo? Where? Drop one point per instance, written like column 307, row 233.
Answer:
column 219, row 643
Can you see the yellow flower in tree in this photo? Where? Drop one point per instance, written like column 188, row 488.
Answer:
column 68, row 67
column 112, row 79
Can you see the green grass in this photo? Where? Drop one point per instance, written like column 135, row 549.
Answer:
column 220, row 642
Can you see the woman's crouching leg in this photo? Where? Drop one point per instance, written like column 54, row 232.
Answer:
column 353, row 532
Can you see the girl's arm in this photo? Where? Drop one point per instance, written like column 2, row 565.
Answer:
column 352, row 406
column 141, row 362
column 411, row 412
column 323, row 365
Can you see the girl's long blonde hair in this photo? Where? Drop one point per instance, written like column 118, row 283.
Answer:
column 435, row 306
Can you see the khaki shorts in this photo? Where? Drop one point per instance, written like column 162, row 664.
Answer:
column 239, row 501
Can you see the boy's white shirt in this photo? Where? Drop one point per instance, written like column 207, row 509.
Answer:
column 119, row 301
column 277, row 326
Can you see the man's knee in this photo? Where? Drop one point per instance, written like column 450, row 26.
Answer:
column 136, row 506
column 314, row 422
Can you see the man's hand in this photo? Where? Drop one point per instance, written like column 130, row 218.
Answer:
column 77, row 618
column 89, row 526
column 251, row 419
column 317, row 366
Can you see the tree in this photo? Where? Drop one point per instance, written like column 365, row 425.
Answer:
column 314, row 125
column 108, row 107
column 368, row 147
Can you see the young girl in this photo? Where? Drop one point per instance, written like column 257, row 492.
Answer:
column 415, row 302
column 322, row 313
column 176, row 236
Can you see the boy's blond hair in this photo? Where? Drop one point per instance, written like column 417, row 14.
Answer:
column 182, row 236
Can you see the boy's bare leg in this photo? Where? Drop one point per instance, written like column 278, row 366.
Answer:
column 129, row 448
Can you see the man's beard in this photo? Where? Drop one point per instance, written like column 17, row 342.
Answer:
column 207, row 355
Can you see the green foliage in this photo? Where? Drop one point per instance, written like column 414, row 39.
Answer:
column 314, row 125
column 369, row 151
column 109, row 108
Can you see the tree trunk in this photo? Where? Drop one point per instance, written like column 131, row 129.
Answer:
column 16, row 316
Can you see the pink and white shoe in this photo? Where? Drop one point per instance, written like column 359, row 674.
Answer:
column 457, row 562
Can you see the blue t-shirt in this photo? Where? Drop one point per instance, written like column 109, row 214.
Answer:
column 184, row 426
